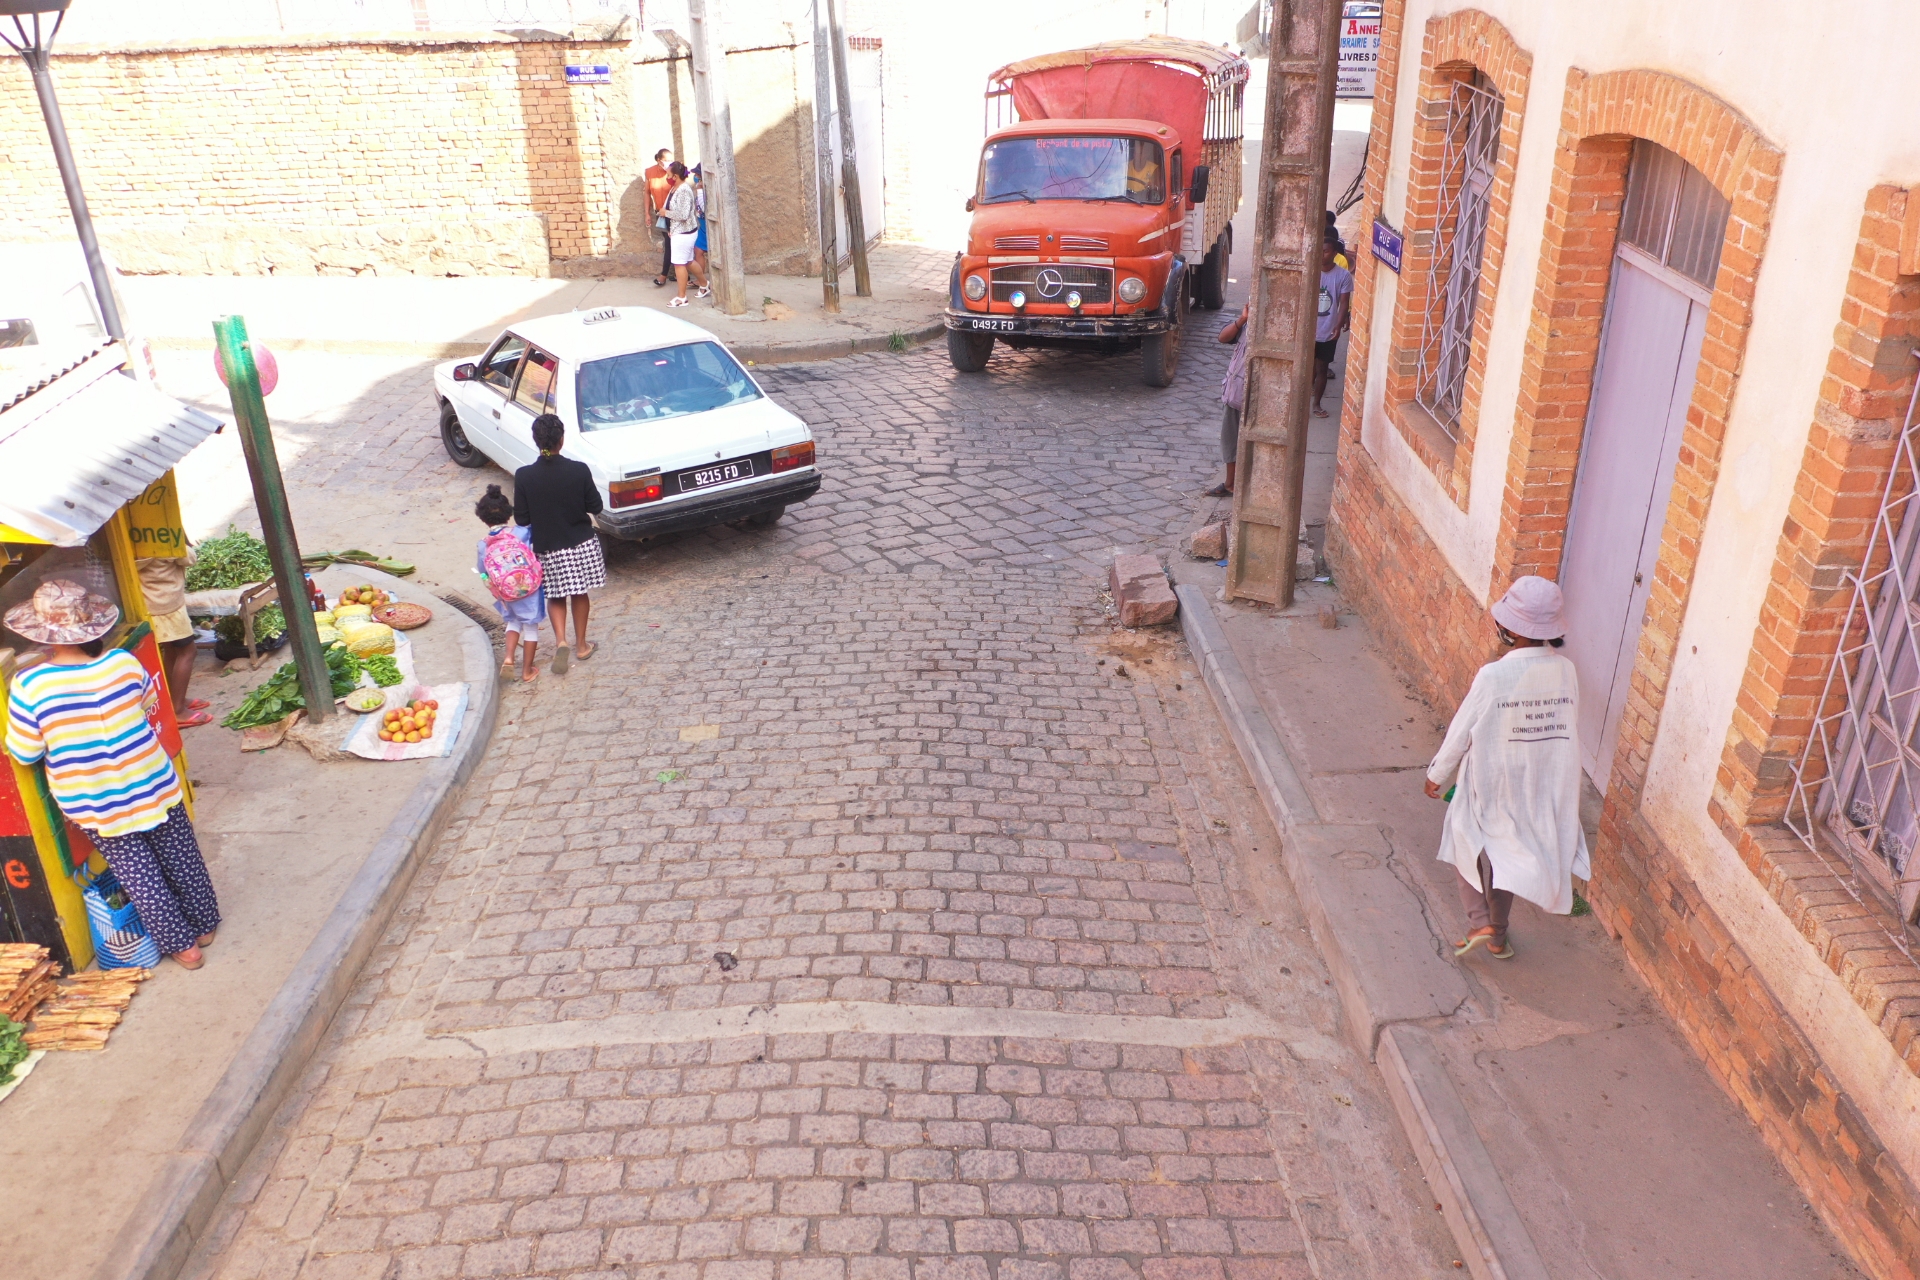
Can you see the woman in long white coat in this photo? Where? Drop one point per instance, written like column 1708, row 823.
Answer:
column 1513, row 761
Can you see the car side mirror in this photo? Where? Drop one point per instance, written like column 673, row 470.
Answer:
column 463, row 372
column 1198, row 191
column 970, row 203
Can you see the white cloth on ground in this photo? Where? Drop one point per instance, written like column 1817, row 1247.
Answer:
column 1513, row 757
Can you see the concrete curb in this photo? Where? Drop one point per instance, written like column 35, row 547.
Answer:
column 1380, row 951
column 757, row 353
column 181, row 1200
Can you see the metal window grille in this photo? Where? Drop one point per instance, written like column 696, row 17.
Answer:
column 1469, row 149
column 1858, row 779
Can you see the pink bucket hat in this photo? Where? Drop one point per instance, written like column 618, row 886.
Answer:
column 63, row 612
column 1533, row 608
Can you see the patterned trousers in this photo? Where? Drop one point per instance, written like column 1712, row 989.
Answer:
column 162, row 871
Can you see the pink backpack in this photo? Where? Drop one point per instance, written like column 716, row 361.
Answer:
column 511, row 569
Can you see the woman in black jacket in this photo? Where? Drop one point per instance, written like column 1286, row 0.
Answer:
column 557, row 498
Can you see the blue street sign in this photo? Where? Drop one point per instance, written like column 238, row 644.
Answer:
column 1387, row 244
column 594, row 74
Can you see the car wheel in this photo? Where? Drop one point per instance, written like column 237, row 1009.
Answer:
column 459, row 448
column 969, row 351
column 765, row 519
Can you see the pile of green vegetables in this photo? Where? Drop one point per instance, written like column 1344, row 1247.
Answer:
column 12, row 1051
column 236, row 559
column 280, row 696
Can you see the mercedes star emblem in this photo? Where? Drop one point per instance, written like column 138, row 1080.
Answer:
column 1050, row 282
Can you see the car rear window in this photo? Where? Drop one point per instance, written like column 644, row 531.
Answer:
column 646, row 386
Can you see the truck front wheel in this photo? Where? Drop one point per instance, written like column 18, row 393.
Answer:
column 1160, row 354
column 969, row 351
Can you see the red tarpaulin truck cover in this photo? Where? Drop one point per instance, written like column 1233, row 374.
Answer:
column 1158, row 78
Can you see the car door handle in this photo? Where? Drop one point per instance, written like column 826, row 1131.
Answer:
column 496, row 413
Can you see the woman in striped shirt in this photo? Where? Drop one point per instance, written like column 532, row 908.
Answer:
column 87, row 713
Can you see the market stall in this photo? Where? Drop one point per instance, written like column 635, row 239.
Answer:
column 86, row 495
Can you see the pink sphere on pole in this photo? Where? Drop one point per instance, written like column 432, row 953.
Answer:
column 263, row 363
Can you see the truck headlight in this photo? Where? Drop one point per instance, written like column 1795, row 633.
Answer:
column 975, row 288
column 1132, row 289
column 1018, row 298
column 1073, row 299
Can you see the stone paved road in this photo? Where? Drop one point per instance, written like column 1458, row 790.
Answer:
column 869, row 908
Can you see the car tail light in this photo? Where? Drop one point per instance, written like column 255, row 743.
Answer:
column 789, row 456
column 635, row 490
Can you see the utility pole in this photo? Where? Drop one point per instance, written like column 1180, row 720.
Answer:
column 33, row 41
column 823, row 159
column 276, row 519
column 849, row 172
column 711, row 106
column 1302, row 68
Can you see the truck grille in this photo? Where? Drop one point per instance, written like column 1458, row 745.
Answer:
column 1016, row 242
column 1082, row 243
column 1050, row 282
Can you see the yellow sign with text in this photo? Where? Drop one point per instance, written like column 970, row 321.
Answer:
column 153, row 522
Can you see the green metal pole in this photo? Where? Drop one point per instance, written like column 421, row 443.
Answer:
column 276, row 520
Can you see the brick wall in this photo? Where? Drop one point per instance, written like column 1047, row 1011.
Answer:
column 1392, row 571
column 455, row 155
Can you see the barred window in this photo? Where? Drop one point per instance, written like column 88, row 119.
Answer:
column 1858, row 779
column 1673, row 214
column 1469, row 149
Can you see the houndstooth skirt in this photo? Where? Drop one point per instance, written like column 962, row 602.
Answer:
column 574, row 571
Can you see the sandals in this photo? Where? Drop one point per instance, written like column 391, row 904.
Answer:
column 704, row 291
column 591, row 650
column 560, row 657
column 676, row 302
column 198, row 704
column 1478, row 936
column 1218, row 491
column 204, row 941
column 194, row 719
column 190, row 958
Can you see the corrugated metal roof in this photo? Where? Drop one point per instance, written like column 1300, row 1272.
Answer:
column 77, row 448
column 1209, row 59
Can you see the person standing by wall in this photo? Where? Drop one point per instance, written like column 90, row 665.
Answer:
column 1233, row 394
column 1510, row 756
column 1336, row 296
column 558, row 499
column 683, row 225
column 659, row 186
column 88, row 713
column 162, row 556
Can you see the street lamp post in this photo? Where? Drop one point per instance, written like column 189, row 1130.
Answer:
column 32, row 39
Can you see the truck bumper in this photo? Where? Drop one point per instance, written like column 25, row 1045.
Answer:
column 1004, row 326
column 703, row 513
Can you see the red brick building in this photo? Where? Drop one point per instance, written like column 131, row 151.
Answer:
column 1652, row 334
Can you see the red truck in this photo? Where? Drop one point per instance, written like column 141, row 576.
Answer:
column 1103, row 211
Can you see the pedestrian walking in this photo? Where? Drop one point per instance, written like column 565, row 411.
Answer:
column 1336, row 295
column 683, row 224
column 510, row 576
column 1513, row 766
column 1233, row 394
column 557, row 499
column 89, row 712
column 659, row 179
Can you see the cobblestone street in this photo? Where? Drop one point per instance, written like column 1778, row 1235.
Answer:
column 870, row 907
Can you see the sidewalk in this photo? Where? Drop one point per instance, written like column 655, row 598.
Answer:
column 1562, row 1122
column 112, row 1162
column 442, row 318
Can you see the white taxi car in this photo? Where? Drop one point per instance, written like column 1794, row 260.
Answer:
column 678, row 434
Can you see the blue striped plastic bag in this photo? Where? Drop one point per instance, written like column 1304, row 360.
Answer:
column 120, row 940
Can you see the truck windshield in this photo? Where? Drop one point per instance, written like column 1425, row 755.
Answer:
column 646, row 386
column 1072, row 168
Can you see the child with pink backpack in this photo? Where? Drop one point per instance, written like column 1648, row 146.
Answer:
column 512, row 573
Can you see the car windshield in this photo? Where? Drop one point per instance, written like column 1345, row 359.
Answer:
column 647, row 386
column 1072, row 168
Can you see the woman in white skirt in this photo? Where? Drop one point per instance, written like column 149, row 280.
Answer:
column 557, row 498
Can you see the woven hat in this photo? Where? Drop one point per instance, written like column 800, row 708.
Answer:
column 1533, row 608
column 63, row 612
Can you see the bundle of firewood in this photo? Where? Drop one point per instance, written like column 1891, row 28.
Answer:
column 85, row 1009
column 26, row 979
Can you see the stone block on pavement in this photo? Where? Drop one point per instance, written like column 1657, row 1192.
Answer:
column 1141, row 592
column 1209, row 541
